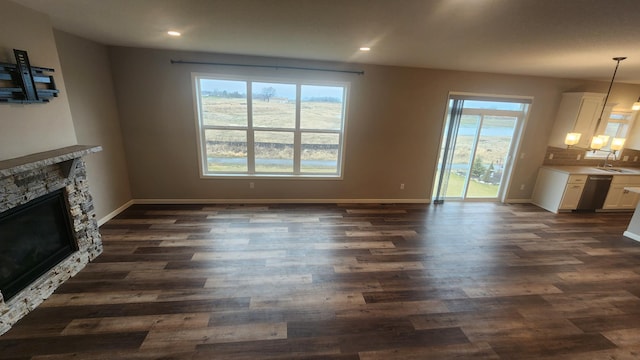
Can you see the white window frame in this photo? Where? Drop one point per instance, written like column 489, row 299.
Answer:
column 250, row 129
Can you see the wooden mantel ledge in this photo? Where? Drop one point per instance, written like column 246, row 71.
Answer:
column 17, row 165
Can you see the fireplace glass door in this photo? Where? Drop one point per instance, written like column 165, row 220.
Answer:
column 34, row 237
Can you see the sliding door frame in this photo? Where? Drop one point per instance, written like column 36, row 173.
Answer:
column 516, row 142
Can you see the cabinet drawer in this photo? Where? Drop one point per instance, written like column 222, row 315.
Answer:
column 577, row 179
column 628, row 180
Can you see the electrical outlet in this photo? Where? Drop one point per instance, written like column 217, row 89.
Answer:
column 625, row 158
column 578, row 157
column 251, row 185
column 401, row 186
column 551, row 156
column 522, row 187
column 635, row 158
column 522, row 155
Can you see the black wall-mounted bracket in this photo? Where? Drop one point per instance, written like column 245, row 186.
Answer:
column 26, row 84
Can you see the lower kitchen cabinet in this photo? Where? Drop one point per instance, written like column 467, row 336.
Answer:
column 620, row 199
column 572, row 194
column 561, row 191
column 556, row 190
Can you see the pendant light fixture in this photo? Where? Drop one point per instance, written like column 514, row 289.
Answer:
column 599, row 141
column 636, row 105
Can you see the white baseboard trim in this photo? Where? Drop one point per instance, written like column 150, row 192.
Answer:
column 631, row 235
column 518, row 201
column 281, row 201
column 115, row 212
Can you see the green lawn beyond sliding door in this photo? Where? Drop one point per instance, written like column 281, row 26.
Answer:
column 456, row 183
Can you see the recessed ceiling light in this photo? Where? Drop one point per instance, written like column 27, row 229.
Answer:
column 173, row 33
column 365, row 48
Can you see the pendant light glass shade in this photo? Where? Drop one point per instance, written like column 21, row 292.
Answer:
column 605, row 139
column 617, row 144
column 572, row 139
column 596, row 143
column 636, row 105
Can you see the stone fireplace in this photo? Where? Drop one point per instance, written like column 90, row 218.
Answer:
column 57, row 179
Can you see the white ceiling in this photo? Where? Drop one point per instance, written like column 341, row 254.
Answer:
column 556, row 38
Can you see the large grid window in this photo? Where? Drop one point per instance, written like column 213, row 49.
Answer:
column 268, row 128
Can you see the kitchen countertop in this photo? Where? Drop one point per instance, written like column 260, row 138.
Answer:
column 592, row 170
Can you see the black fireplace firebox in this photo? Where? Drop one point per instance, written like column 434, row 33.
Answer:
column 34, row 237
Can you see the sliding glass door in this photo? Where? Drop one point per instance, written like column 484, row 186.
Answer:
column 477, row 146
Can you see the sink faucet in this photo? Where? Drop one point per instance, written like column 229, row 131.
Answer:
column 604, row 165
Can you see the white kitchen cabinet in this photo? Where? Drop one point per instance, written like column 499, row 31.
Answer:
column 620, row 199
column 633, row 135
column 628, row 200
column 578, row 112
column 558, row 191
column 571, row 197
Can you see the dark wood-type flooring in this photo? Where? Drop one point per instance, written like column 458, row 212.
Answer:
column 459, row 280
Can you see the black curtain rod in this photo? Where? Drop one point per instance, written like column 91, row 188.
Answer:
column 266, row 66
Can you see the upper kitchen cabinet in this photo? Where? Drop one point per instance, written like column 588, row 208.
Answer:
column 578, row 112
column 633, row 138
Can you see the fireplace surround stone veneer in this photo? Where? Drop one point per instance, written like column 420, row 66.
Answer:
column 29, row 177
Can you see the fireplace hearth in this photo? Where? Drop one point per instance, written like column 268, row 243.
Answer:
column 48, row 230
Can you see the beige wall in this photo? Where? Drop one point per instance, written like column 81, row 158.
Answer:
column 31, row 128
column 95, row 118
column 395, row 121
